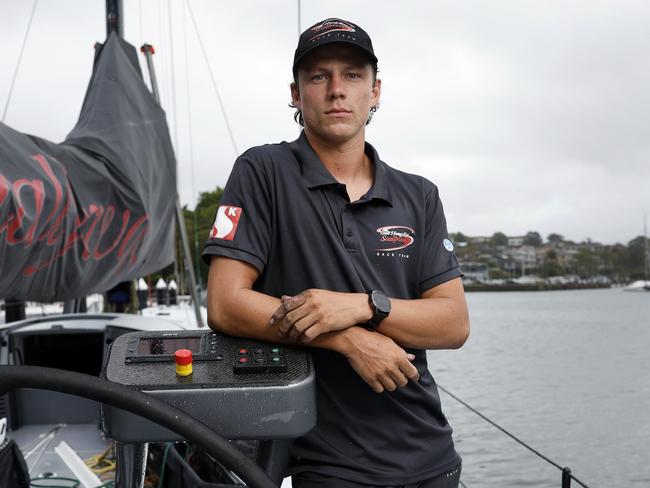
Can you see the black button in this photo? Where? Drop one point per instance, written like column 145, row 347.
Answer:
column 259, row 360
column 258, row 351
column 349, row 233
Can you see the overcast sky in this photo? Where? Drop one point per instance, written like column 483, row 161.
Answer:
column 528, row 115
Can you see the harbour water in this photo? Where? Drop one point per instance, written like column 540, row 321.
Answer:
column 568, row 372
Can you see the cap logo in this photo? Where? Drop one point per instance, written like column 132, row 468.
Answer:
column 331, row 25
column 225, row 224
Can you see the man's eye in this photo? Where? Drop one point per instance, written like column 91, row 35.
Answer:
column 318, row 77
column 354, row 75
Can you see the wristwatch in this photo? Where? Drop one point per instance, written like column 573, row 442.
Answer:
column 380, row 305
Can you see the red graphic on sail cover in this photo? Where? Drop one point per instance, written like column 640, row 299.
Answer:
column 395, row 237
column 225, row 224
column 100, row 230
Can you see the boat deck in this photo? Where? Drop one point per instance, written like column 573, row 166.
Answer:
column 42, row 461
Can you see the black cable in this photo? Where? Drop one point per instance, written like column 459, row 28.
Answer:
column 509, row 434
column 20, row 57
column 136, row 402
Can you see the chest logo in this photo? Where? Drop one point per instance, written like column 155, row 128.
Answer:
column 225, row 224
column 394, row 238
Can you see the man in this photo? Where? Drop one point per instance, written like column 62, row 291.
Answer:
column 319, row 242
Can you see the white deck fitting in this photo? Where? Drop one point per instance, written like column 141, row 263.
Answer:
column 85, row 439
column 82, row 472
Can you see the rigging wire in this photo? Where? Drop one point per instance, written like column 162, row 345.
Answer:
column 214, row 83
column 20, row 57
column 179, row 271
column 173, row 75
column 510, row 435
column 140, row 20
column 299, row 28
column 191, row 145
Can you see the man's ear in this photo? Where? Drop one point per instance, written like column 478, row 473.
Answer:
column 295, row 96
column 376, row 92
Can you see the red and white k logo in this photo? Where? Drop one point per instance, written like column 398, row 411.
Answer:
column 225, row 225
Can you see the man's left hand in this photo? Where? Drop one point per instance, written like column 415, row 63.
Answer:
column 313, row 312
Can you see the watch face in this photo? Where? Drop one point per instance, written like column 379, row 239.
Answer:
column 381, row 302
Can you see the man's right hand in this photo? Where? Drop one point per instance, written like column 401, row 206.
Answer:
column 379, row 361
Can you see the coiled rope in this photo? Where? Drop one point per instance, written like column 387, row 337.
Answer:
column 566, row 472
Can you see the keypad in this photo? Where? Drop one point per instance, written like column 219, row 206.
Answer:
column 259, row 359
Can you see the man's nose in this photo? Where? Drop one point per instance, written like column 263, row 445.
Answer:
column 336, row 88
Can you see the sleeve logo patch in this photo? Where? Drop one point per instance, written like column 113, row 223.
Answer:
column 449, row 246
column 225, row 225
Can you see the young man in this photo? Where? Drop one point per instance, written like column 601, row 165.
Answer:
column 319, row 242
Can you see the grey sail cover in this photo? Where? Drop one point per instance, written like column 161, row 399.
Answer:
column 80, row 216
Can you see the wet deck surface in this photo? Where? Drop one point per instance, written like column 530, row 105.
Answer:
column 42, row 461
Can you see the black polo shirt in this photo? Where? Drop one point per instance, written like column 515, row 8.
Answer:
column 285, row 214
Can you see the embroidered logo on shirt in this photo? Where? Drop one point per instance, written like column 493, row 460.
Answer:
column 394, row 238
column 449, row 246
column 225, row 225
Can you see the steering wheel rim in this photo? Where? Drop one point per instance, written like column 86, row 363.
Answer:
column 147, row 406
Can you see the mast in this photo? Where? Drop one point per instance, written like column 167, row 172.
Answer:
column 148, row 51
column 646, row 263
column 114, row 23
column 114, row 20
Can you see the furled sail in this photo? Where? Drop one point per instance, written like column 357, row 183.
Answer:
column 81, row 216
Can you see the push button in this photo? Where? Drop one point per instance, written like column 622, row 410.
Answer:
column 243, row 360
column 348, row 233
column 243, row 351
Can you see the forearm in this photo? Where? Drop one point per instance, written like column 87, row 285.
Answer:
column 437, row 320
column 427, row 323
column 245, row 313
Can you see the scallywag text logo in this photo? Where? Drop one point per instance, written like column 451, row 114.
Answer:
column 394, row 239
column 330, row 25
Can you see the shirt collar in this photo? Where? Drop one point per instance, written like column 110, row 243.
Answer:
column 316, row 174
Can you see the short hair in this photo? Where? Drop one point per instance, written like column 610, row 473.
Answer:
column 297, row 115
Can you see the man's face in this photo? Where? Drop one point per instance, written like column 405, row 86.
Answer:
column 335, row 92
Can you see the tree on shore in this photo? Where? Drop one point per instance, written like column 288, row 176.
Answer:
column 533, row 239
column 499, row 239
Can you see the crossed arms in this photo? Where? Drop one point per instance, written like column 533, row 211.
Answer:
column 327, row 319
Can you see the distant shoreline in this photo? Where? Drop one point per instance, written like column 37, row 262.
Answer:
column 532, row 287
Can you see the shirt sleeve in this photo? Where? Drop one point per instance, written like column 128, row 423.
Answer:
column 439, row 263
column 242, row 227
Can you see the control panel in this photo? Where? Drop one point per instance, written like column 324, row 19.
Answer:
column 243, row 389
column 161, row 346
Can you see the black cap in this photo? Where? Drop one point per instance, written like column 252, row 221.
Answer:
column 329, row 31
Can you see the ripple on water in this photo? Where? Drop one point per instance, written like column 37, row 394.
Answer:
column 568, row 372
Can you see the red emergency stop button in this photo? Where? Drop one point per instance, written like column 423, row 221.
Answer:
column 183, row 359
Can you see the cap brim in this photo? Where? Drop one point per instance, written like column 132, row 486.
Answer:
column 300, row 59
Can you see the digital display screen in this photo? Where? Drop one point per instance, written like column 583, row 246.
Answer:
column 168, row 345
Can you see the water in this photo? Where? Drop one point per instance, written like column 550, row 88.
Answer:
column 566, row 371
